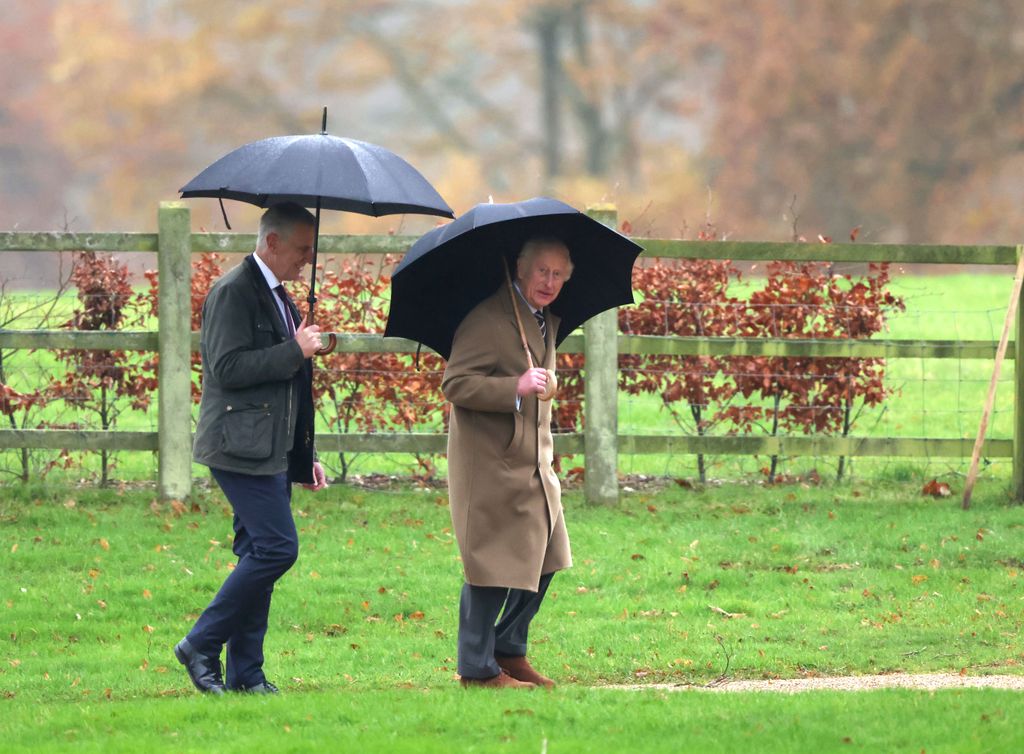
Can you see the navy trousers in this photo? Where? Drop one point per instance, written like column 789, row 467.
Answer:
column 480, row 638
column 267, row 545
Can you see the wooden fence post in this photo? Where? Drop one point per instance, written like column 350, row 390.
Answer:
column 174, row 316
column 600, row 394
column 1018, row 399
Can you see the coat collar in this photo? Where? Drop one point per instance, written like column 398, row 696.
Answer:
column 264, row 295
column 539, row 347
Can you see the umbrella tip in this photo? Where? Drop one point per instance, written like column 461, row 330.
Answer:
column 323, row 124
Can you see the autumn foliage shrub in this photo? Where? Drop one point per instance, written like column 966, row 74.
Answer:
column 370, row 392
column 103, row 383
column 386, row 392
column 780, row 393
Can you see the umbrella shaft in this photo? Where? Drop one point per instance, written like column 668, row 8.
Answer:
column 311, row 299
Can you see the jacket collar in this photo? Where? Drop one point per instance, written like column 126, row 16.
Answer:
column 538, row 346
column 264, row 294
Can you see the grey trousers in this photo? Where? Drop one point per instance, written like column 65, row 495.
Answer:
column 482, row 635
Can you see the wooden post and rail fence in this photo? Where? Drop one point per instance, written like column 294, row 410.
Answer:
column 600, row 442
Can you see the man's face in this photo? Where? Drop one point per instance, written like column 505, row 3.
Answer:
column 541, row 278
column 289, row 252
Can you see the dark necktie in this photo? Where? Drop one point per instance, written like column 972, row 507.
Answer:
column 289, row 323
column 537, row 315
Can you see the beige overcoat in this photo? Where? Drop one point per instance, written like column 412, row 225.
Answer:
column 506, row 502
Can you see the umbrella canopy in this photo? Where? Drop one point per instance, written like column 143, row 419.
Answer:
column 319, row 170
column 454, row 267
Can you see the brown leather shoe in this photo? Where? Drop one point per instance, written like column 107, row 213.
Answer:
column 520, row 669
column 501, row 681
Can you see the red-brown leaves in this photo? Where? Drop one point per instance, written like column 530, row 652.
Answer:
column 936, row 488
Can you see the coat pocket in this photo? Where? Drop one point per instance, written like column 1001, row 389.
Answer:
column 517, row 434
column 247, row 431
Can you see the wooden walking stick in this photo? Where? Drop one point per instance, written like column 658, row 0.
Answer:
column 1011, row 313
column 552, row 386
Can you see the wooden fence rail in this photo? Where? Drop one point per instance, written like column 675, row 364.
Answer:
column 600, row 443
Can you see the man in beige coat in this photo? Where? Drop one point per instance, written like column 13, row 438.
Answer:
column 505, row 498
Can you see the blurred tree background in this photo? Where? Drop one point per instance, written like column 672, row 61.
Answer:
column 904, row 117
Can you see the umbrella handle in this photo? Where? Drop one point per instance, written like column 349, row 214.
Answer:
column 550, row 389
column 552, row 384
column 332, row 343
column 332, row 339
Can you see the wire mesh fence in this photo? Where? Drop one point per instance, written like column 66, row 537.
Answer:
column 390, row 392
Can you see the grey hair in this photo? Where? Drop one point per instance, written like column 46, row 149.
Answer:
column 281, row 219
column 534, row 245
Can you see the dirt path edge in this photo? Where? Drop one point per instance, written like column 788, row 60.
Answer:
column 920, row 681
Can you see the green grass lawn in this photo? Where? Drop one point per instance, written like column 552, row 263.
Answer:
column 852, row 579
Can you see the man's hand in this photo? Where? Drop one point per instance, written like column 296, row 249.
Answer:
column 532, row 381
column 319, row 478
column 308, row 338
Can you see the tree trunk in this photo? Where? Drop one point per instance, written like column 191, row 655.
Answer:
column 846, row 431
column 695, row 411
column 585, row 101
column 105, row 424
column 547, row 23
column 775, row 432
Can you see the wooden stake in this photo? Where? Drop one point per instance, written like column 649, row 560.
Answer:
column 1011, row 313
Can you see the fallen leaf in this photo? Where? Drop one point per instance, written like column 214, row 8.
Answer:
column 725, row 613
column 104, row 544
column 936, row 488
column 148, row 629
column 146, row 594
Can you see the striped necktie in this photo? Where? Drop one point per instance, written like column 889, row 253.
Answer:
column 537, row 315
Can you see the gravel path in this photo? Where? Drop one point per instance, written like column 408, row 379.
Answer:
column 925, row 681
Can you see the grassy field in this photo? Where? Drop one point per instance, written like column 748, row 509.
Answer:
column 827, row 580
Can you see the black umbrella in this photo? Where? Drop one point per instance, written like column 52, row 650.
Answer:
column 454, row 267
column 319, row 171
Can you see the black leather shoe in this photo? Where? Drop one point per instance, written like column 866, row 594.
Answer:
column 266, row 687
column 204, row 671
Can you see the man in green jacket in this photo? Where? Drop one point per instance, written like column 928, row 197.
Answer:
column 255, row 432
